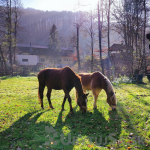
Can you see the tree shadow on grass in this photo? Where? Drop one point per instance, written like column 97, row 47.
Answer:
column 133, row 136
column 139, row 97
column 6, row 77
column 92, row 126
column 143, row 86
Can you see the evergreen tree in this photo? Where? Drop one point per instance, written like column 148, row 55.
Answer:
column 54, row 46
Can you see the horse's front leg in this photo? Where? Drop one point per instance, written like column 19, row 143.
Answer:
column 69, row 100
column 95, row 94
column 48, row 97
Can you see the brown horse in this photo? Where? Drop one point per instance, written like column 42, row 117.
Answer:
column 62, row 78
column 96, row 82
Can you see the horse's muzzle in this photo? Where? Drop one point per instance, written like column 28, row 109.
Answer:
column 113, row 109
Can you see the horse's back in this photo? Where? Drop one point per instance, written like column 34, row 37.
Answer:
column 50, row 77
column 56, row 78
column 93, row 80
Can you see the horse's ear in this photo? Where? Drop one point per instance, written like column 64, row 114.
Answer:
column 87, row 94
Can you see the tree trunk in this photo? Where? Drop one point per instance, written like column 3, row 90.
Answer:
column 92, row 43
column 16, row 16
column 78, row 56
column 3, row 60
column 100, row 45
column 9, row 35
column 144, row 55
column 108, row 38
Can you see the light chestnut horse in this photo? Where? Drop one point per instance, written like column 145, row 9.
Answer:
column 96, row 81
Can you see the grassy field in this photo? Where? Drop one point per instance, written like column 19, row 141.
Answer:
column 24, row 125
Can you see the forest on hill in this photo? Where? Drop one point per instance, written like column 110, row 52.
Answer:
column 36, row 24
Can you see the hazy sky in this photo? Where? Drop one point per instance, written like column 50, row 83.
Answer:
column 60, row 5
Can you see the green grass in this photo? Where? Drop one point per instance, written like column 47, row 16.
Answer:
column 24, row 125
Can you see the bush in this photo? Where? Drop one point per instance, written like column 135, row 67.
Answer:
column 122, row 80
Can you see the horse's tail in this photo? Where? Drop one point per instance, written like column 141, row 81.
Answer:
column 39, row 96
column 76, row 96
column 41, row 79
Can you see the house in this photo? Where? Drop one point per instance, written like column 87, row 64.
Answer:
column 39, row 55
column 121, row 59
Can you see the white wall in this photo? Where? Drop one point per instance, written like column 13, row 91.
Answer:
column 32, row 59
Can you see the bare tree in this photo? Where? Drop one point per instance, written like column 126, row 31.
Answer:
column 89, row 30
column 100, row 36
column 16, row 15
column 79, row 22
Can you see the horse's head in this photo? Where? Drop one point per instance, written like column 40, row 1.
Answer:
column 82, row 102
column 111, row 100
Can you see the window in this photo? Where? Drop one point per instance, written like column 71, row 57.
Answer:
column 24, row 60
column 42, row 60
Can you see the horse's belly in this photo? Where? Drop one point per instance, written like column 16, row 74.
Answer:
column 87, row 87
column 57, row 88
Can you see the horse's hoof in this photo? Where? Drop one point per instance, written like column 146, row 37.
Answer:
column 52, row 107
column 71, row 112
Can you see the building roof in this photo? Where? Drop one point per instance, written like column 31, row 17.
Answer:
column 31, row 46
column 119, row 47
column 41, row 50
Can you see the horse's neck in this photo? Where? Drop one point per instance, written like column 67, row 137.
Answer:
column 108, row 88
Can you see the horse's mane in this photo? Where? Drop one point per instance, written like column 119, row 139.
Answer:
column 109, row 87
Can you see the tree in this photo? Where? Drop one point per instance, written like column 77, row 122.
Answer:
column 16, row 15
column 100, row 37
column 90, row 30
column 131, row 24
column 54, row 47
column 80, row 19
column 9, row 27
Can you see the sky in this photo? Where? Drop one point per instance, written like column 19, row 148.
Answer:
column 60, row 5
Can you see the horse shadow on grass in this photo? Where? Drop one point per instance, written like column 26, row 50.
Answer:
column 25, row 133
column 92, row 126
column 67, row 133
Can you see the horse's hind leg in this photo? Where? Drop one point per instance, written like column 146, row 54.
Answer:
column 48, row 97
